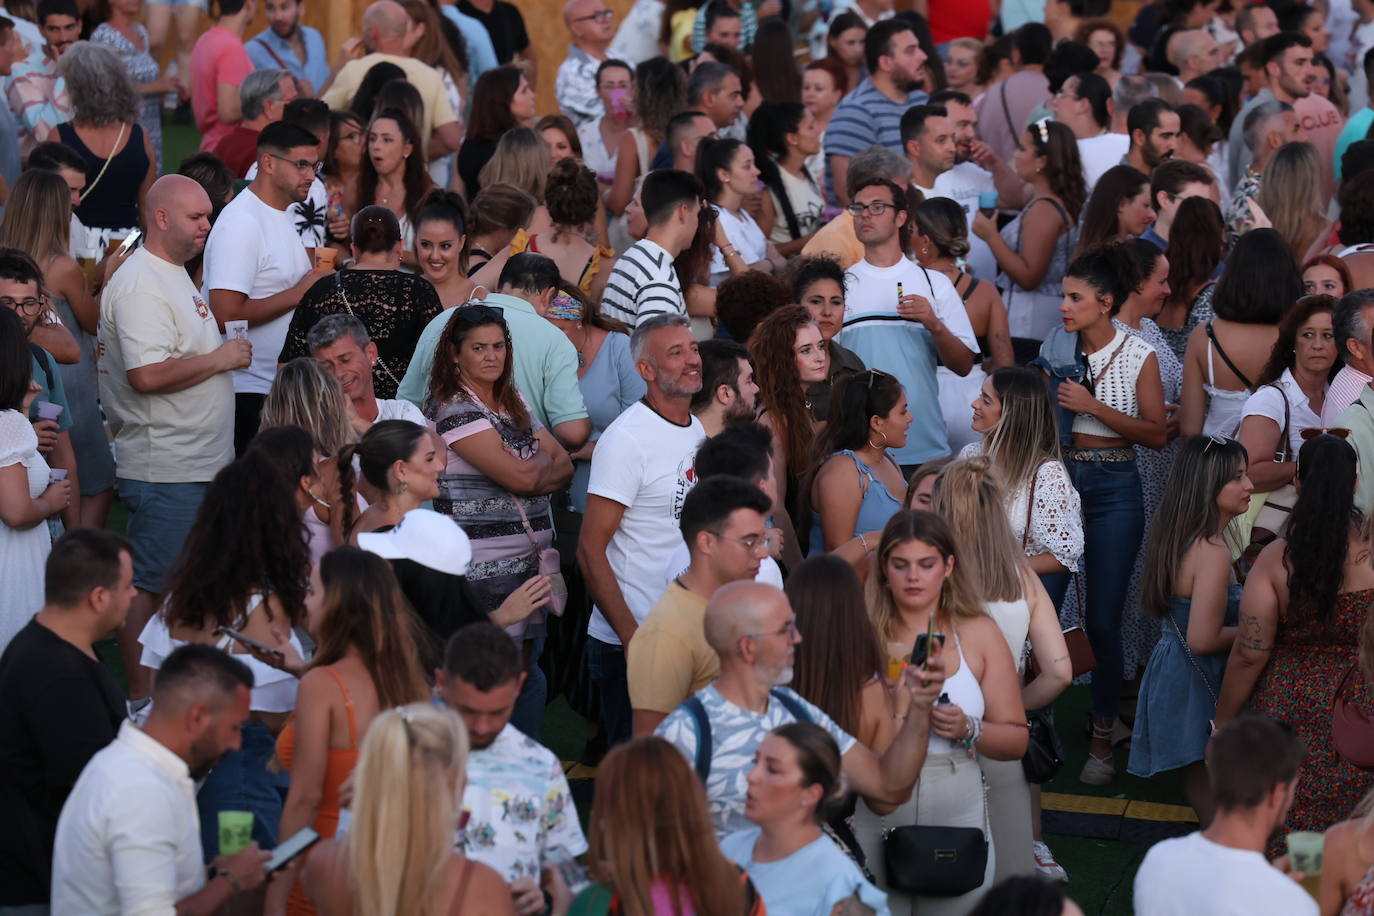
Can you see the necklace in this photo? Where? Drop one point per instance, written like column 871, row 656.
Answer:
column 581, row 357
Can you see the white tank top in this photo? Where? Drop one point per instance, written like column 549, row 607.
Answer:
column 963, row 691
column 1013, row 619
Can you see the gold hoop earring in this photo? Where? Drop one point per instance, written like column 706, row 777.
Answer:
column 879, row 447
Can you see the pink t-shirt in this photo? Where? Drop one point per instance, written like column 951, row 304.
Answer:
column 218, row 57
column 1323, row 123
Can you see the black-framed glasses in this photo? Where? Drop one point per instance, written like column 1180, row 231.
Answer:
column 599, row 15
column 753, row 543
column 29, row 305
column 877, row 208
column 304, row 165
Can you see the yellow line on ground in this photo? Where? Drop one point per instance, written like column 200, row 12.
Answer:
column 1084, row 804
column 1156, row 811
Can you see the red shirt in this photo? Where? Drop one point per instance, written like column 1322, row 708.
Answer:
column 238, row 150
column 218, row 57
column 951, row 19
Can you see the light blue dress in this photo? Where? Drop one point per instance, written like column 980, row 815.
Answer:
column 809, row 882
column 610, row 385
column 877, row 507
column 1175, row 706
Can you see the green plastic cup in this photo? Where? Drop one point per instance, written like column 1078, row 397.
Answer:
column 236, row 831
column 1305, row 851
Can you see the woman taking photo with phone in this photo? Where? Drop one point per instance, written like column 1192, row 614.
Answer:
column 921, row 601
column 1190, row 583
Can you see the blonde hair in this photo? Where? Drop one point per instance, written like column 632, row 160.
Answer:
column 305, row 394
column 1027, row 435
column 1291, row 195
column 408, row 787
column 522, row 160
column 968, row 496
column 38, row 216
column 959, row 600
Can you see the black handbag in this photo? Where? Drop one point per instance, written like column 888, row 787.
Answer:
column 937, row 861
column 1044, row 756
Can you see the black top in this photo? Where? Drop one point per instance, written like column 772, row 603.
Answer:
column 111, row 202
column 58, row 706
column 504, row 24
column 842, row 362
column 394, row 306
column 472, row 155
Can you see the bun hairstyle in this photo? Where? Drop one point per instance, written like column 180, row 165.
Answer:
column 571, row 194
column 385, row 443
column 818, row 757
column 1112, row 270
column 943, row 222
column 375, row 229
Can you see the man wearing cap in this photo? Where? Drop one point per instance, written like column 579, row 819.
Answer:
column 430, row 554
column 342, row 343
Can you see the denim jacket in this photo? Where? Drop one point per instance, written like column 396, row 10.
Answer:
column 1062, row 357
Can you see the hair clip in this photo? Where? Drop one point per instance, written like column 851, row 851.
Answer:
column 1042, row 127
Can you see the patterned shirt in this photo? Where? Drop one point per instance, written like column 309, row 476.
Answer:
column 38, row 96
column 748, row 22
column 519, row 808
column 735, row 737
column 575, row 87
column 1237, row 212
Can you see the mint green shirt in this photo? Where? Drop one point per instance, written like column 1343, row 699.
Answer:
column 545, row 362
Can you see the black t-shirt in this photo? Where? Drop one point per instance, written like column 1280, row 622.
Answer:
column 474, row 154
column 504, row 24
column 58, row 706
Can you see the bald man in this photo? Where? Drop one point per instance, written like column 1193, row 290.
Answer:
column 754, row 632
column 592, row 27
column 385, row 24
column 165, row 386
column 1193, row 53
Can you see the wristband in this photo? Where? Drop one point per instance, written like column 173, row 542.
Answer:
column 229, row 876
column 729, row 251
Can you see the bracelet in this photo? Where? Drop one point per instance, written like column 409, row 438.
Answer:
column 974, row 732
column 230, row 877
column 729, row 251
column 863, row 541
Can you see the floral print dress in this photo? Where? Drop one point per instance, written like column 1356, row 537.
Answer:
column 144, row 69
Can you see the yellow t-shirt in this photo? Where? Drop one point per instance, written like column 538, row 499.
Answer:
column 837, row 238
column 423, row 77
column 669, row 658
column 151, row 311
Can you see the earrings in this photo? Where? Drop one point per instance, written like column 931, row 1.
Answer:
column 401, row 489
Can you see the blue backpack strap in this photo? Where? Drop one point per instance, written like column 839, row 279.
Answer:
column 698, row 713
column 790, row 702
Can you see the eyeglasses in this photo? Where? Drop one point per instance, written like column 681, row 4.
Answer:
column 753, row 543
column 26, row 306
column 877, row 208
column 790, row 629
column 1215, row 439
column 1312, row 432
column 303, row 165
column 599, row 15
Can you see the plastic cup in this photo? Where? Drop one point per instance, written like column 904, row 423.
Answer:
column 325, row 257
column 235, row 831
column 987, row 202
column 48, row 410
column 56, row 474
column 1305, row 851
column 236, row 330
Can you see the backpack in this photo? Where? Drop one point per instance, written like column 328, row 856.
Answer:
column 697, row 711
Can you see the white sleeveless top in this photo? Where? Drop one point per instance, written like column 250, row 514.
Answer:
column 963, row 691
column 1013, row 619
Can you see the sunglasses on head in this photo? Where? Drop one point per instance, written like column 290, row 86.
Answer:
column 1312, row 432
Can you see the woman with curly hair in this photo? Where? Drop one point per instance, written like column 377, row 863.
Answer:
column 1033, row 250
column 1304, row 605
column 1105, row 40
column 244, row 566
column 572, row 201
column 788, row 355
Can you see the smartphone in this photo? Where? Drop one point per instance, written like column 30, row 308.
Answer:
column 247, row 640
column 128, row 244
column 922, row 651
column 285, row 852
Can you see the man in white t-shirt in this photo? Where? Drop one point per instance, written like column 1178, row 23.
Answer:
column 968, row 179
column 641, row 472
column 1252, row 767
column 256, row 268
column 164, row 384
column 1083, row 105
column 342, row 343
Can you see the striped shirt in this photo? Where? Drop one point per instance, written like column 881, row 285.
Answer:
column 643, row 283
column 866, row 118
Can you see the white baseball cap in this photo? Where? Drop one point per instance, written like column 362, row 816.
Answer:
column 426, row 537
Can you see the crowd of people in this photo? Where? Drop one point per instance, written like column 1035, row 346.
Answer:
column 808, row 397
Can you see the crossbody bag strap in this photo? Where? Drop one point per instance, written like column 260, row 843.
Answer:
column 114, row 151
column 1244, row 379
column 1285, row 450
column 268, row 48
column 343, row 297
column 1030, row 504
column 697, row 711
column 1192, row 659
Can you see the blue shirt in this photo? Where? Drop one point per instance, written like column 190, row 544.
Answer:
column 1355, row 129
column 481, row 52
column 314, row 69
column 866, row 118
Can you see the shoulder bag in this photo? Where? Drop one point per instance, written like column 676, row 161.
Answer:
column 935, row 861
column 1351, row 731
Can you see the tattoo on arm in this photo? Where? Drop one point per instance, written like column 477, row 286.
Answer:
column 1250, row 634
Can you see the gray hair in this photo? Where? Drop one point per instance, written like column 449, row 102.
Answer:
column 258, row 88
column 1257, row 122
column 639, row 340
column 707, row 77
column 1131, row 91
column 1350, row 323
column 877, row 163
column 99, row 85
column 332, row 328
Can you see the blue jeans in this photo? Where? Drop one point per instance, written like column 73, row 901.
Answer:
column 1056, row 586
column 242, row 782
column 606, row 666
column 528, row 715
column 1113, row 524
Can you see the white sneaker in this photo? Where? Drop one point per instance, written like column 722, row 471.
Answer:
column 1047, row 866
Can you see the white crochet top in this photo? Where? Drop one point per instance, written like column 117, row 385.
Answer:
column 1115, row 388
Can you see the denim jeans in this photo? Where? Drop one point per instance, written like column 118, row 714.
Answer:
column 1113, row 524
column 242, row 782
column 1056, row 586
column 528, row 715
column 606, row 666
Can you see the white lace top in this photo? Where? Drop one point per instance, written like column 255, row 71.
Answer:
column 1056, row 518
column 1114, row 381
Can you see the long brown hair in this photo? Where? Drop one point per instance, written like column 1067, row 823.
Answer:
column 1284, row 356
column 446, row 379
column 839, row 653
column 1063, row 167
column 772, row 346
column 650, row 824
column 1198, row 235
column 364, row 610
column 959, row 600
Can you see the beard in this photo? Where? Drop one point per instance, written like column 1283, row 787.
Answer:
column 677, row 388
column 205, row 756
